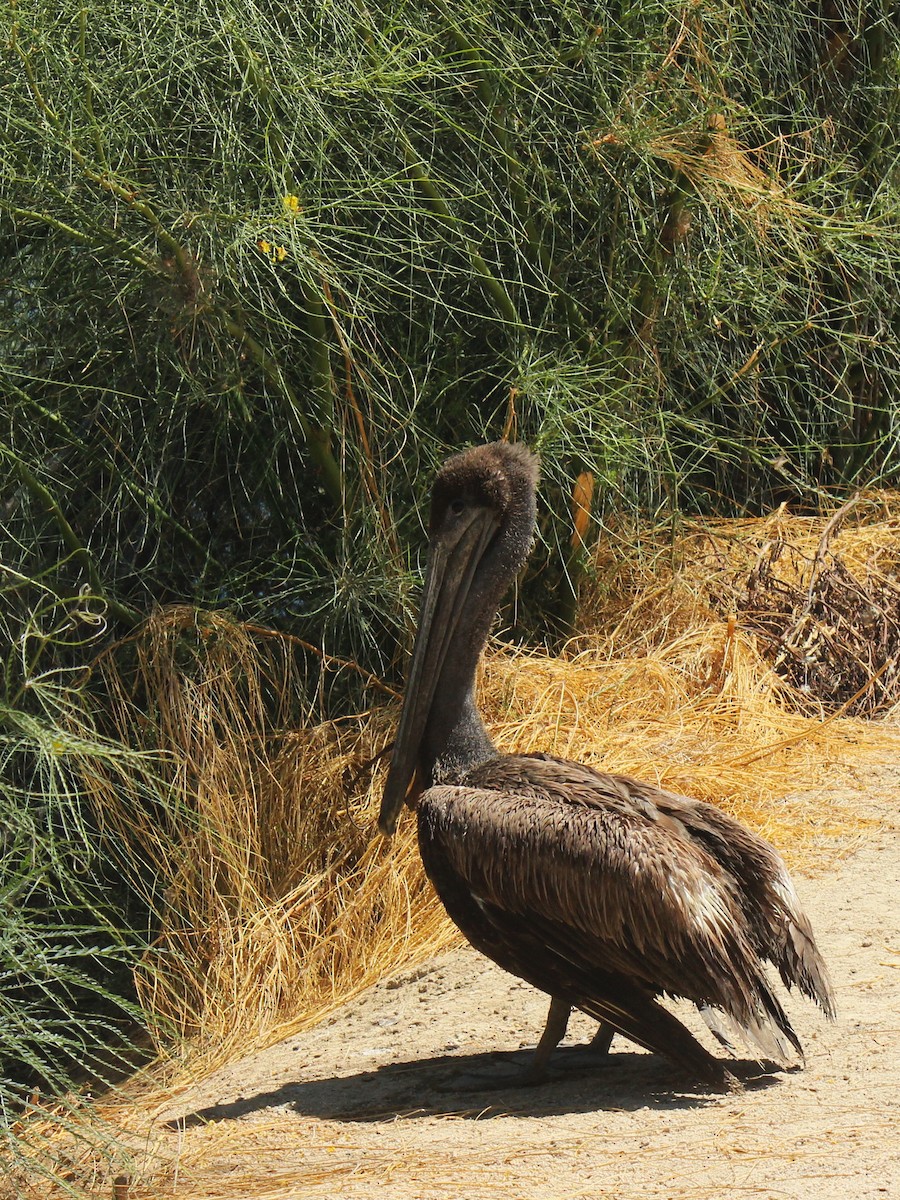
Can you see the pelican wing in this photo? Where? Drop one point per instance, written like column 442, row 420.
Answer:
column 585, row 880
column 751, row 871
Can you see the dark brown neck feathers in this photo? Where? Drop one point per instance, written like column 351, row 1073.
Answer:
column 455, row 737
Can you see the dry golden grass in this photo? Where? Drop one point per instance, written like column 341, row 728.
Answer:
column 723, row 171
column 650, row 585
column 699, row 716
column 279, row 902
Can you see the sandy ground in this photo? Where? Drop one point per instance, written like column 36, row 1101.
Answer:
column 376, row 1102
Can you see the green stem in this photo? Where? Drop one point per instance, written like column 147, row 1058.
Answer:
column 320, row 361
column 128, row 253
column 122, row 612
column 436, row 203
column 89, row 90
column 318, row 440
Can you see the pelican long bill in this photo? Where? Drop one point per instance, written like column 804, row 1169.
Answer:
column 448, row 579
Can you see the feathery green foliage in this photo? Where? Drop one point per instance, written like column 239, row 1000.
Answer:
column 70, row 927
column 265, row 263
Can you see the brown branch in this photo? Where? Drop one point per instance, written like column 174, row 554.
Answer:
column 832, row 526
column 328, row 659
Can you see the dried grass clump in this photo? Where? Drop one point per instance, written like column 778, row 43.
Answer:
column 833, row 632
column 722, row 171
column 274, row 900
column 821, row 593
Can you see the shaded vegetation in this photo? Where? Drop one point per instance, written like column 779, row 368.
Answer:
column 71, row 929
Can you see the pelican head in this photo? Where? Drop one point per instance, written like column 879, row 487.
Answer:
column 480, row 531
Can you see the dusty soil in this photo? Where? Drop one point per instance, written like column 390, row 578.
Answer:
column 377, row 1102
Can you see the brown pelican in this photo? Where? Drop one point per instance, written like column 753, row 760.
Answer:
column 602, row 891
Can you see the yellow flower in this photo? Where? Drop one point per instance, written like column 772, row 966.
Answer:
column 275, row 253
column 292, row 204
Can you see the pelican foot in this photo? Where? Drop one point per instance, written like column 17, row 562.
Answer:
column 580, row 1058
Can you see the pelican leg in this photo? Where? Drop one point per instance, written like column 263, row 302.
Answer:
column 536, row 1071
column 602, row 1039
column 554, row 1032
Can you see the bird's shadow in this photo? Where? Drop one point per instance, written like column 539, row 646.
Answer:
column 442, row 1086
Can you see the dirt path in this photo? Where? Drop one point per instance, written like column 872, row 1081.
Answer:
column 370, row 1104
